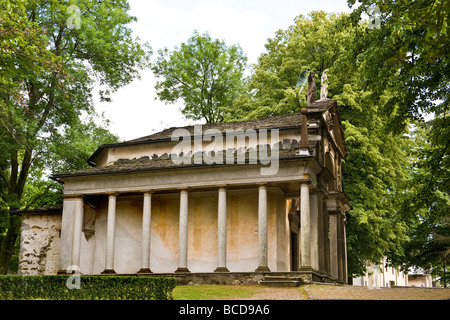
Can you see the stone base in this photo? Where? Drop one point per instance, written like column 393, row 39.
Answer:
column 185, row 277
column 61, row 272
column 108, row 271
column 144, row 270
column 221, row 269
column 182, row 270
column 262, row 269
column 281, row 281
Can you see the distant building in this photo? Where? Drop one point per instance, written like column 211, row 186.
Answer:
column 381, row 275
column 420, row 280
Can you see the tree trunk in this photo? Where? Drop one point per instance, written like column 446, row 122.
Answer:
column 16, row 186
column 9, row 241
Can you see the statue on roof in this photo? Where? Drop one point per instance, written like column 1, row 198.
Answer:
column 301, row 81
column 311, row 94
column 324, row 85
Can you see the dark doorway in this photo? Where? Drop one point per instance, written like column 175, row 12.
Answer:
column 294, row 251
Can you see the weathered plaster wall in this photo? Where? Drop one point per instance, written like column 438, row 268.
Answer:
column 242, row 234
column 250, row 140
column 40, row 244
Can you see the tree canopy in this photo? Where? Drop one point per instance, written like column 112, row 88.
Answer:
column 406, row 59
column 48, row 69
column 205, row 73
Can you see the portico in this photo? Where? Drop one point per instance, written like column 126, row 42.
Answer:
column 311, row 235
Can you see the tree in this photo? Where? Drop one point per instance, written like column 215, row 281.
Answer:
column 205, row 73
column 375, row 170
column 407, row 55
column 428, row 205
column 48, row 69
column 313, row 42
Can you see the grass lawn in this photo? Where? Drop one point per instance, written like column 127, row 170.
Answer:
column 215, row 292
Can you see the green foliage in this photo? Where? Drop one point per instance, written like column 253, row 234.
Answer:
column 207, row 74
column 313, row 42
column 47, row 74
column 408, row 56
column 375, row 176
column 54, row 287
column 427, row 203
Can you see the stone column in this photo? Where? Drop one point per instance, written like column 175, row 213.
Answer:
column 314, row 230
column 77, row 230
column 339, row 246
column 183, row 232
column 67, row 228
column 326, row 231
column 342, row 248
column 322, row 234
column 344, row 222
column 305, row 226
column 110, row 234
column 222, row 232
column 146, row 233
column 334, row 264
column 263, row 265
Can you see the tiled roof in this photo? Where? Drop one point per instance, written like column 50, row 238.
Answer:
column 286, row 149
column 166, row 160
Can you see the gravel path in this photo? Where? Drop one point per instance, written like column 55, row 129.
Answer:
column 320, row 292
column 270, row 293
column 334, row 292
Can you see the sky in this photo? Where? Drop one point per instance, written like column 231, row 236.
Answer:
column 134, row 112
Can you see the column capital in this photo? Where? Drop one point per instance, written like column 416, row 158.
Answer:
column 73, row 196
column 184, row 189
column 147, row 191
column 222, row 186
column 308, row 182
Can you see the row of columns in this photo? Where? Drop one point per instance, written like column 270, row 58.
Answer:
column 222, row 231
column 309, row 243
column 323, row 238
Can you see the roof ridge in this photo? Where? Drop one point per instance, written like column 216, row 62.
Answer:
column 223, row 125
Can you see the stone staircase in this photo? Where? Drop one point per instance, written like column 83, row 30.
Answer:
column 281, row 281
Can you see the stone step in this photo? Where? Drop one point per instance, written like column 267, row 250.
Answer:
column 280, row 283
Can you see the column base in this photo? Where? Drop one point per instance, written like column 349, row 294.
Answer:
column 262, row 269
column 221, row 269
column 62, row 272
column 182, row 269
column 145, row 270
column 305, row 268
column 108, row 271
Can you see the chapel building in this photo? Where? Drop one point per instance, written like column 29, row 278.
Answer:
column 253, row 197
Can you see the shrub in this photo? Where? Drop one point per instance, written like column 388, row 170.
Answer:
column 54, row 287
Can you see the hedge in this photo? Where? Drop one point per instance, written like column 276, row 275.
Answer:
column 55, row 287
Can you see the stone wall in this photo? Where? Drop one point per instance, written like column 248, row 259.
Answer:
column 40, row 243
